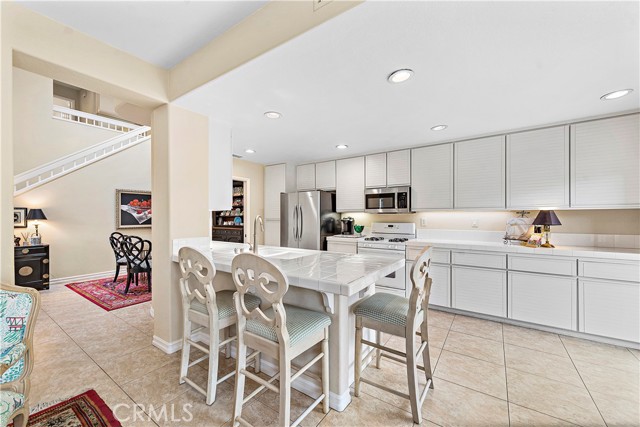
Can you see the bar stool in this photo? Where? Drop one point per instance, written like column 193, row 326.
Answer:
column 213, row 310
column 403, row 317
column 281, row 331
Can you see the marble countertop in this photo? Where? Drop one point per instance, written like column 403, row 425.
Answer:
column 335, row 273
column 572, row 251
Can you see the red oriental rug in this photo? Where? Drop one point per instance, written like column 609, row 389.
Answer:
column 84, row 410
column 110, row 295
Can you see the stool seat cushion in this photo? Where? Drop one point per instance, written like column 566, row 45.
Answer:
column 300, row 323
column 384, row 307
column 226, row 306
column 10, row 402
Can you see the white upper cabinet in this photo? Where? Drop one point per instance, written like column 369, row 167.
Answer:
column 306, row 177
column 479, row 173
column 538, row 169
column 274, row 184
column 326, row 175
column 350, row 185
column 432, row 177
column 399, row 168
column 605, row 163
column 376, row 170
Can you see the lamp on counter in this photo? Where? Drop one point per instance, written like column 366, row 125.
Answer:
column 546, row 219
column 36, row 215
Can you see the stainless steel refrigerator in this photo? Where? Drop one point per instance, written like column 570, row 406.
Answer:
column 307, row 218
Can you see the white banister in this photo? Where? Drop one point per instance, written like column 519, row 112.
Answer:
column 93, row 120
column 36, row 177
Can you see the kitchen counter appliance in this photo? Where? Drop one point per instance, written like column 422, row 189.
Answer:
column 387, row 200
column 389, row 238
column 307, row 218
column 347, row 225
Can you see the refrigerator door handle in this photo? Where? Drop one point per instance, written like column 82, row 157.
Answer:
column 301, row 223
column 295, row 222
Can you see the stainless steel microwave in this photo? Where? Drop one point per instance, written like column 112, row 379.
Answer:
column 387, row 200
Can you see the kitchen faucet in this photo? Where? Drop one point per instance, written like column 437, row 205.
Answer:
column 254, row 245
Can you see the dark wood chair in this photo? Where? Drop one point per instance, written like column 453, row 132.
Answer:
column 115, row 239
column 137, row 252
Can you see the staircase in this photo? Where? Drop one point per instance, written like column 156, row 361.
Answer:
column 131, row 136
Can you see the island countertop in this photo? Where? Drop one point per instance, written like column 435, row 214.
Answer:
column 336, row 273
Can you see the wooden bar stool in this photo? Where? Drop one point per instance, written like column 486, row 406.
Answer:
column 280, row 331
column 403, row 317
column 202, row 305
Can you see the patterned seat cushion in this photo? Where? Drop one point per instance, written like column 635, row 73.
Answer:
column 226, row 306
column 10, row 401
column 11, row 355
column 384, row 307
column 300, row 324
column 15, row 311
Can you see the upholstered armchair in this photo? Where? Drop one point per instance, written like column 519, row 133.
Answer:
column 18, row 312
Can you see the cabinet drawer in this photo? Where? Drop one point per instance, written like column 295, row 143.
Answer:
column 543, row 299
column 479, row 290
column 609, row 309
column 613, row 270
column 29, row 250
column 542, row 264
column 343, row 247
column 477, row 259
column 440, row 256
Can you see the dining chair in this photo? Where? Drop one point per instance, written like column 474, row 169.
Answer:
column 402, row 317
column 280, row 331
column 205, row 307
column 137, row 252
column 19, row 307
column 115, row 239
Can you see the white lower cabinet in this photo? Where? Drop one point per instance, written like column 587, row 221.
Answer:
column 343, row 247
column 440, row 285
column 609, row 308
column 479, row 290
column 543, row 299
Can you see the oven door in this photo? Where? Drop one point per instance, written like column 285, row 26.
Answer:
column 395, row 280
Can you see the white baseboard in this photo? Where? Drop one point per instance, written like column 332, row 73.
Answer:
column 167, row 347
column 84, row 277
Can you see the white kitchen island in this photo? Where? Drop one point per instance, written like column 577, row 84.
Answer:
column 318, row 280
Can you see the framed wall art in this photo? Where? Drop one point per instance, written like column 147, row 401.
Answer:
column 133, row 209
column 19, row 217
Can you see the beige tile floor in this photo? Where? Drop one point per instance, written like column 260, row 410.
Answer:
column 486, row 374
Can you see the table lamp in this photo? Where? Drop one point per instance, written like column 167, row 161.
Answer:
column 546, row 219
column 36, row 215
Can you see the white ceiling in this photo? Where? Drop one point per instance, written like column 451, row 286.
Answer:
column 480, row 68
column 160, row 32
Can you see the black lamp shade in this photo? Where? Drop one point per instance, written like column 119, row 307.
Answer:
column 547, row 218
column 36, row 214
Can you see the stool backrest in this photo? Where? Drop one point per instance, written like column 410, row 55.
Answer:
column 193, row 264
column 253, row 272
column 420, row 281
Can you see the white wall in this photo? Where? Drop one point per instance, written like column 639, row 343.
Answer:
column 80, row 207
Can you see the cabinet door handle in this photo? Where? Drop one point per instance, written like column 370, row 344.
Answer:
column 45, row 261
column 25, row 251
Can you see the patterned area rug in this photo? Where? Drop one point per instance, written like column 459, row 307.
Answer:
column 110, row 295
column 84, row 410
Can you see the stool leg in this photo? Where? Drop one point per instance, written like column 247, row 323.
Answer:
column 257, row 363
column 241, row 364
column 214, row 353
column 358, row 357
column 285, row 387
column 412, row 376
column 186, row 349
column 115, row 278
column 227, row 349
column 325, row 371
column 378, row 351
column 426, row 358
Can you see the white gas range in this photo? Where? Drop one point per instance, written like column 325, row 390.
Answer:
column 389, row 238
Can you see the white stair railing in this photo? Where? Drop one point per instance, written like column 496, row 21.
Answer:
column 33, row 178
column 70, row 115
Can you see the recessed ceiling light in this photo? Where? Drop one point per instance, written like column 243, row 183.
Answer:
column 439, row 127
column 615, row 95
column 341, row 146
column 249, row 151
column 400, row 76
column 272, row 115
